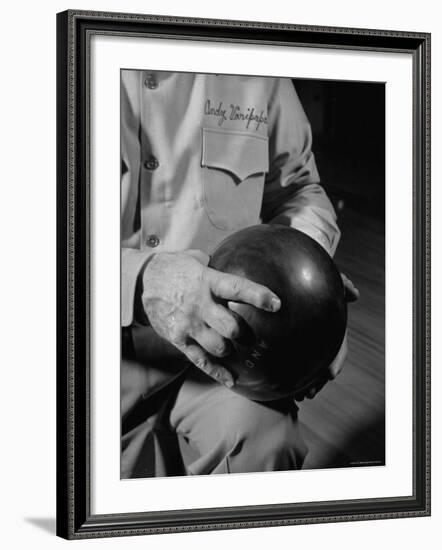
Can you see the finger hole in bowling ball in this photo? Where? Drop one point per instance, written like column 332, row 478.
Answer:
column 246, row 336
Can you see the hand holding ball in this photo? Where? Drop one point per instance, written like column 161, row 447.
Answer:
column 295, row 344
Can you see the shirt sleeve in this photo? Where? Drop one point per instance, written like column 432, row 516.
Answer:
column 132, row 262
column 293, row 195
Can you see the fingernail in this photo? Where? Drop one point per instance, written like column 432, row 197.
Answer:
column 229, row 382
column 311, row 393
column 276, row 303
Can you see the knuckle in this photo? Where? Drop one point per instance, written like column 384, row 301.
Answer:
column 177, row 334
column 175, row 340
column 201, row 275
column 219, row 350
column 216, row 285
column 217, row 374
column 200, row 362
column 174, row 335
column 235, row 286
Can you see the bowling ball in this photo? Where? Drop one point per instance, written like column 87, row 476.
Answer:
column 295, row 344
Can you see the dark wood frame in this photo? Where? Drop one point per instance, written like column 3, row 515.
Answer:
column 74, row 519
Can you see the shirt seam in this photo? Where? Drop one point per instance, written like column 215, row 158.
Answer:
column 235, row 133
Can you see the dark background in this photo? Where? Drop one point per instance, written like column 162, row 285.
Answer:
column 348, row 125
column 344, row 425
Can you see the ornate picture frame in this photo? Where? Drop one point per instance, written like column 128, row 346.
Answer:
column 75, row 518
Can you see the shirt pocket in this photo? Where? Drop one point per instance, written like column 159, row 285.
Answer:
column 234, row 165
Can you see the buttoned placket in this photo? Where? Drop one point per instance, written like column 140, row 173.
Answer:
column 150, row 190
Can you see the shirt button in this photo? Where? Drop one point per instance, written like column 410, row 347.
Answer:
column 153, row 241
column 151, row 163
column 151, row 82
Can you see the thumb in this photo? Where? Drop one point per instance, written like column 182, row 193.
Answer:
column 351, row 292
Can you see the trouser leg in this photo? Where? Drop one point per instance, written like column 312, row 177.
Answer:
column 233, row 434
column 148, row 448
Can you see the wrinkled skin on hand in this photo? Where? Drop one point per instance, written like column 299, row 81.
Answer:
column 186, row 304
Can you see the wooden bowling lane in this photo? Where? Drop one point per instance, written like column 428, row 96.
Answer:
column 344, row 425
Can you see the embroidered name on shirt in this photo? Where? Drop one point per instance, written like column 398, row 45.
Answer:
column 235, row 113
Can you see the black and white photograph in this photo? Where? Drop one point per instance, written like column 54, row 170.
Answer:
column 252, row 274
column 221, row 269
column 243, row 275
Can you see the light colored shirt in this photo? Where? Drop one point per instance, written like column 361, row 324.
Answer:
column 206, row 155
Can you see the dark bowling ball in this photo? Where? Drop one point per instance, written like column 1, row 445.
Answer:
column 296, row 343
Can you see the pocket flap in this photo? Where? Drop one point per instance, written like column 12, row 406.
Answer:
column 240, row 153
